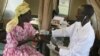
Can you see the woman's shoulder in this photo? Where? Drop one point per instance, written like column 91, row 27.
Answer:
column 27, row 25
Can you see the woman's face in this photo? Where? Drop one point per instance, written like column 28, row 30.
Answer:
column 26, row 17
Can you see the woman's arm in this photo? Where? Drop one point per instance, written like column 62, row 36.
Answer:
column 23, row 42
column 35, row 39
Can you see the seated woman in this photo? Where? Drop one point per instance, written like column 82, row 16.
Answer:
column 19, row 33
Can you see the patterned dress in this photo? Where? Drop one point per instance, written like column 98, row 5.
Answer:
column 20, row 34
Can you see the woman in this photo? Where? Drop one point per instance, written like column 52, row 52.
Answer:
column 19, row 32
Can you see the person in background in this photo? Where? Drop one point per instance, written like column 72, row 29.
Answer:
column 81, row 34
column 19, row 33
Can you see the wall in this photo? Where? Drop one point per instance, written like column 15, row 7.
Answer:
column 34, row 4
column 74, row 4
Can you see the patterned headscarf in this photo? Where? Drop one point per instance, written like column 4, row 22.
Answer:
column 21, row 9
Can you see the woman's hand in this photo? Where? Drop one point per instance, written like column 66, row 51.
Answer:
column 23, row 42
column 34, row 38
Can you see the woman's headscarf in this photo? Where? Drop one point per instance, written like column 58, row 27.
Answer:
column 21, row 9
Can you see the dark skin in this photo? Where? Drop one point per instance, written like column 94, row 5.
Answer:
column 25, row 18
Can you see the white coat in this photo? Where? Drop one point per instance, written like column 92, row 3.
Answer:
column 81, row 39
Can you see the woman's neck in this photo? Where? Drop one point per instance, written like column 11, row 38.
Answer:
column 21, row 24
